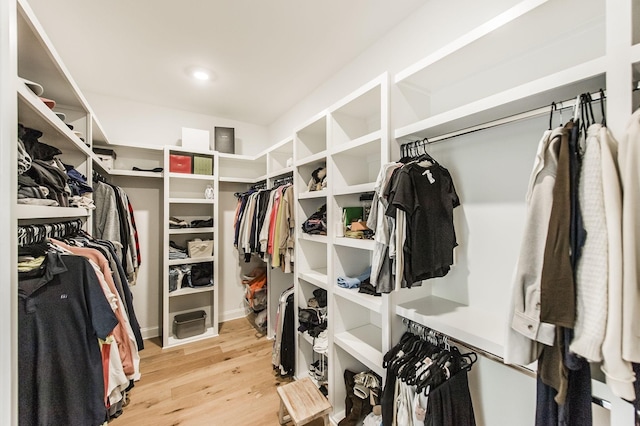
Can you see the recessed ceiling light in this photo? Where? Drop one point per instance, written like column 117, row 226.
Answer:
column 201, row 75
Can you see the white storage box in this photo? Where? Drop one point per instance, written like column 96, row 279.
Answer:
column 195, row 139
column 199, row 248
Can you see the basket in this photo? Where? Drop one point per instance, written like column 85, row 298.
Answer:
column 189, row 324
column 199, row 248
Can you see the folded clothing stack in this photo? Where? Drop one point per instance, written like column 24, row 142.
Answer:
column 347, row 282
column 177, row 252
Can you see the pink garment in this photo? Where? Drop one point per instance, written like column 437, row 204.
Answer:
column 272, row 220
column 119, row 332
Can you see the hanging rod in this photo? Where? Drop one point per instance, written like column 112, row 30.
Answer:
column 570, row 103
column 521, row 369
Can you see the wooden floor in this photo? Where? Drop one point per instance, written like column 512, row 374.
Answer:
column 226, row 381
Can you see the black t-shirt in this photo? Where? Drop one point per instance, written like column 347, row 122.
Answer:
column 62, row 312
column 428, row 197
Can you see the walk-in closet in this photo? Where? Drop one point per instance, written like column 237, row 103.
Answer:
column 345, row 213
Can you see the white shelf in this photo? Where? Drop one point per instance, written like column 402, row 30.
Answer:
column 355, row 189
column 191, row 290
column 39, row 61
column 191, row 201
column 134, row 173
column 236, row 157
column 178, row 231
column 363, row 244
column 190, row 260
column 180, row 150
column 364, row 344
column 316, row 238
column 534, row 94
column 313, row 194
column 364, row 144
column 208, row 333
column 512, row 45
column 24, row 211
column 282, row 172
column 317, row 277
column 482, row 329
column 373, row 303
column 33, row 113
column 315, row 158
column 239, row 180
column 175, row 175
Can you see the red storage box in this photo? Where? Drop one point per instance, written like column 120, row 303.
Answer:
column 179, row 163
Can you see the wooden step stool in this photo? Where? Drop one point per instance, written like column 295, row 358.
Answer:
column 303, row 402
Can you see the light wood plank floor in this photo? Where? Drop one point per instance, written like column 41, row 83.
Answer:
column 226, row 381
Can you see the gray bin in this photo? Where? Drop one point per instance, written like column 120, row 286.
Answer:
column 189, row 324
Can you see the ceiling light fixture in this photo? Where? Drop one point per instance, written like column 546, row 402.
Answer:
column 200, row 75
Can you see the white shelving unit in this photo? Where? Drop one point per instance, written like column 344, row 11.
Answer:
column 184, row 199
column 350, row 139
column 38, row 61
column 311, row 256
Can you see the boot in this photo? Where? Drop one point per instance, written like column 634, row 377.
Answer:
column 355, row 407
column 348, row 401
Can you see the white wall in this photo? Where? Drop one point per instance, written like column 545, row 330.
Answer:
column 129, row 122
column 431, row 27
column 146, row 198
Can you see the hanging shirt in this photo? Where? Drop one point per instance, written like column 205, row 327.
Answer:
column 62, row 311
column 428, row 197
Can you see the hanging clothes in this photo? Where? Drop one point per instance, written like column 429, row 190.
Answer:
column 62, row 313
column 113, row 221
column 412, row 216
column 265, row 225
column 426, row 383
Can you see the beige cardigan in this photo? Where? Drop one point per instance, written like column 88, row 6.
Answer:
column 629, row 162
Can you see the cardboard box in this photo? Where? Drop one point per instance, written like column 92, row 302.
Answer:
column 189, row 324
column 195, row 139
column 202, row 165
column 225, row 140
column 179, row 163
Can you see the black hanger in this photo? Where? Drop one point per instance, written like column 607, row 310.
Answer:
column 604, row 116
column 554, row 107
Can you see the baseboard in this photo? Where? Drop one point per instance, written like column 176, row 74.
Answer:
column 149, row 332
column 233, row 314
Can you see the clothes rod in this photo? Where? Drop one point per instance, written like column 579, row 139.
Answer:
column 519, row 368
column 570, row 103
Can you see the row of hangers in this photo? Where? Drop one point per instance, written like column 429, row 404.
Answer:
column 423, row 357
column 40, row 233
column 263, row 185
column 582, row 110
column 416, row 151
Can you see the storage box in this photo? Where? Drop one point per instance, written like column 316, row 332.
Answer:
column 200, row 248
column 225, row 140
column 202, row 165
column 189, row 324
column 106, row 156
column 195, row 139
column 179, row 163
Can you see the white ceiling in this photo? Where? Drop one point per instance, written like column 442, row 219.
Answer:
column 267, row 54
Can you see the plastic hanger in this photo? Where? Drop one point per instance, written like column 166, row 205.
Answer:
column 604, row 116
